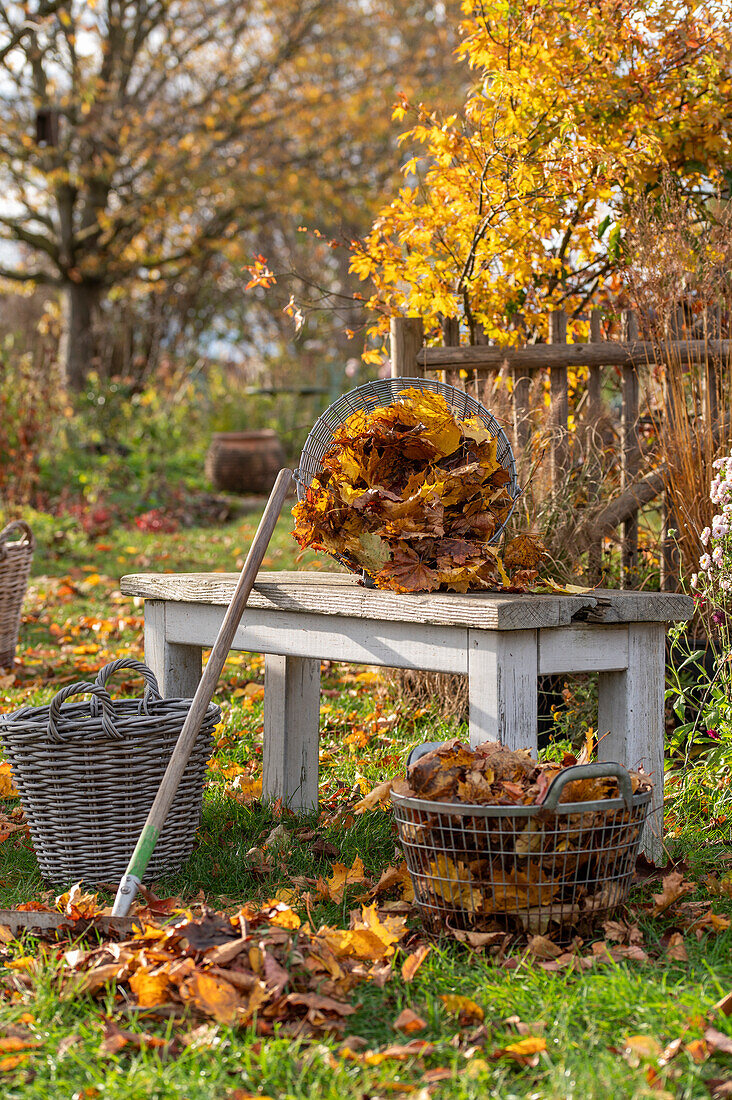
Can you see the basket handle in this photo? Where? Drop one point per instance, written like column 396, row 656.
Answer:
column 600, row 769
column 17, row 527
column 81, row 688
column 152, row 691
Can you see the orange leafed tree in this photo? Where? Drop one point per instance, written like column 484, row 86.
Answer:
column 517, row 204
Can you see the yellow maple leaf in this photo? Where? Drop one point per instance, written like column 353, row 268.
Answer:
column 7, row 790
column 212, row 995
column 150, row 989
column 462, row 1006
column 342, row 877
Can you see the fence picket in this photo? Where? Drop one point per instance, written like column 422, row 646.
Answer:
column 630, row 454
column 559, row 411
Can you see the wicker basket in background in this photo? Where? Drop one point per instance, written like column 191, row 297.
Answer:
column 15, row 563
column 88, row 773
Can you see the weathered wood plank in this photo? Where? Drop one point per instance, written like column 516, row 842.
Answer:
column 580, row 648
column 177, row 667
column 559, row 410
column 341, row 594
column 291, row 716
column 503, row 688
column 300, row 634
column 609, row 353
column 626, row 606
column 406, row 336
column 630, row 713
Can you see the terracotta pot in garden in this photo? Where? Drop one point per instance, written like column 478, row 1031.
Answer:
column 244, row 462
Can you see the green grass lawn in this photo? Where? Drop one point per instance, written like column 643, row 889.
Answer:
column 604, row 1028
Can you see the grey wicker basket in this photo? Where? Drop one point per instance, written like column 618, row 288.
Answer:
column 15, row 563
column 385, row 391
column 555, row 866
column 87, row 774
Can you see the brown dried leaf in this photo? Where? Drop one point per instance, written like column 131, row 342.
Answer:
column 468, row 1010
column 676, row 948
column 673, row 889
column 525, row 1051
column 213, row 996
column 542, row 948
column 150, row 989
column 409, row 1022
column 412, row 963
column 717, row 1040
column 379, row 796
column 335, row 887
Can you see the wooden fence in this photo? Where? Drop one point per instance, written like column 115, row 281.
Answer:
column 475, row 364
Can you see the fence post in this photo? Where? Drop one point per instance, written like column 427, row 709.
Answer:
column 406, row 337
column 669, row 546
column 594, row 401
column 559, row 402
column 450, row 338
column 630, row 460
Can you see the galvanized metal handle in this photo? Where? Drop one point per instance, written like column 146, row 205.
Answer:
column 152, row 691
column 18, row 526
column 599, row 770
column 108, row 715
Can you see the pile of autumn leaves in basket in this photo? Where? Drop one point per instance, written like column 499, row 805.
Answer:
column 532, row 869
column 412, row 495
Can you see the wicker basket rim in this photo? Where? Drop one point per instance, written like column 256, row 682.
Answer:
column 77, row 721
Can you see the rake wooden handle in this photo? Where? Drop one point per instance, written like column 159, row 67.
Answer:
column 204, row 694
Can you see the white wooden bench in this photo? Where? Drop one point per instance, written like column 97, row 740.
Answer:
column 503, row 642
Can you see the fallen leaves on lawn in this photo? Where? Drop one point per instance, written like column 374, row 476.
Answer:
column 409, row 1022
column 234, row 969
column 467, row 1010
column 412, row 963
column 673, row 889
column 525, row 1051
column 342, row 877
column 7, row 788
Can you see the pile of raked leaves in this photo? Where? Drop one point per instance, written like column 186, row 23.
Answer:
column 412, row 496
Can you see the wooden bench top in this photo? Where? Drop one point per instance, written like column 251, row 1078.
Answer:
column 342, row 594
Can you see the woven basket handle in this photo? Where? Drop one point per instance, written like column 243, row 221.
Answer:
column 152, row 691
column 97, row 692
column 17, row 527
column 598, row 770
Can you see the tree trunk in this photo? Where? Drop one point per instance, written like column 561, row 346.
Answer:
column 78, row 345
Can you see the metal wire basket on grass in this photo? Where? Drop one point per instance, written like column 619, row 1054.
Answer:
column 555, row 866
column 87, row 774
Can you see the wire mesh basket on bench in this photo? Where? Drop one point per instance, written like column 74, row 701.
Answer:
column 386, row 391
column 555, row 866
column 15, row 563
column 87, row 774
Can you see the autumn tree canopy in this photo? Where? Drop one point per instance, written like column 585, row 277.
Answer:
column 141, row 139
column 517, row 204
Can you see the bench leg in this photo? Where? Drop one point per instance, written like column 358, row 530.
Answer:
column 176, row 667
column 291, row 719
column 631, row 714
column 503, row 687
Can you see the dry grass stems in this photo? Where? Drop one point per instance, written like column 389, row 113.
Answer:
column 678, row 274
